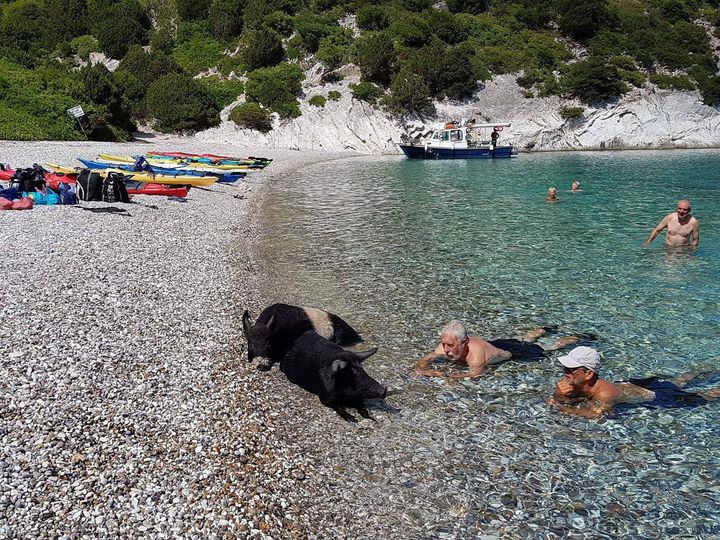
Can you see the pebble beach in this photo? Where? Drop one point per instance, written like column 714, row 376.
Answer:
column 128, row 408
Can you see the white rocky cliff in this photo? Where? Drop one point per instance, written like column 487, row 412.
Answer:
column 644, row 118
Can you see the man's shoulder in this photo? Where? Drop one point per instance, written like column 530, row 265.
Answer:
column 606, row 391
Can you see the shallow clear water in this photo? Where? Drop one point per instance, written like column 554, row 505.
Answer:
column 398, row 248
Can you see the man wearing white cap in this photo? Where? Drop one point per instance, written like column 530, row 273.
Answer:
column 582, row 392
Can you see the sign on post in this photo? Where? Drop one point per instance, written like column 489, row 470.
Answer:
column 76, row 111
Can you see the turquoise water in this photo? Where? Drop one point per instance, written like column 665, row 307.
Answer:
column 399, row 247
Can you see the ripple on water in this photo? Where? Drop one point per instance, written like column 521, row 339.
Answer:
column 397, row 248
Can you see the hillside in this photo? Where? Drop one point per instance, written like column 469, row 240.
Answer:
column 353, row 75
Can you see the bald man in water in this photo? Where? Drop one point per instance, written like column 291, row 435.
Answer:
column 682, row 228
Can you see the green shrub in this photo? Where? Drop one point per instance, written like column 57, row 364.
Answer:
column 446, row 26
column 191, row 10
column 261, row 48
column 409, row 94
column 178, row 102
column 681, row 82
column 710, row 90
column 530, row 78
column 415, row 5
column 198, row 53
column 281, row 22
column 633, row 77
column 229, row 64
column 147, row 67
column 124, row 24
column 467, row 6
column 372, row 18
column 412, row 31
column 252, row 116
column 594, row 79
column 132, row 94
column 571, row 113
column 330, row 77
column 225, row 18
column 333, row 49
column 318, row 101
column 582, row 18
column 334, row 95
column 366, row 91
column 84, row 45
column 162, row 41
column 276, row 88
column 376, row 57
column 33, row 103
column 311, row 29
column 223, row 92
column 607, row 43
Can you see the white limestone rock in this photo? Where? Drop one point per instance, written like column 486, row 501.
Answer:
column 644, row 118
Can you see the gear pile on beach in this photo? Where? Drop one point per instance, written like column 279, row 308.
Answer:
column 114, row 178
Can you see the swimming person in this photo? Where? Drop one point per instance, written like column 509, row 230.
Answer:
column 552, row 195
column 575, row 188
column 458, row 347
column 681, row 227
column 581, row 391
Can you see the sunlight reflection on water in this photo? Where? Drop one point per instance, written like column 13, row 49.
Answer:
column 397, row 248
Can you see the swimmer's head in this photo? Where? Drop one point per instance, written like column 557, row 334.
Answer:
column 454, row 340
column 581, row 357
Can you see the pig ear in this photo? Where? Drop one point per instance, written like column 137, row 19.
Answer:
column 337, row 365
column 363, row 355
column 270, row 322
column 247, row 324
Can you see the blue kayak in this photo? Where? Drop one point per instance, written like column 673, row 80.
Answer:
column 226, row 178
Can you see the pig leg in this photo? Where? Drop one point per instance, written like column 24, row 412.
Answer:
column 343, row 413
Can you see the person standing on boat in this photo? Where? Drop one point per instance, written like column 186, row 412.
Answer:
column 552, row 195
column 682, row 228
column 458, row 347
column 494, row 137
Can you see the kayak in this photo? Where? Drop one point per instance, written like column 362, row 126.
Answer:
column 179, row 163
column 54, row 179
column 226, row 178
column 169, row 180
column 213, row 158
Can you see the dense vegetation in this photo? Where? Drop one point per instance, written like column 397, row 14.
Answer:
column 180, row 61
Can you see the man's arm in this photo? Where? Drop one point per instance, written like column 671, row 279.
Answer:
column 423, row 365
column 589, row 410
column 657, row 230
column 471, row 373
column 696, row 234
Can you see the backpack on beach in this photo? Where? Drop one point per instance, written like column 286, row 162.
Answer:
column 89, row 186
column 114, row 189
column 28, row 180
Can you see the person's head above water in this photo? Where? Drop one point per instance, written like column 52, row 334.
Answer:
column 454, row 340
column 575, row 186
column 582, row 357
column 683, row 209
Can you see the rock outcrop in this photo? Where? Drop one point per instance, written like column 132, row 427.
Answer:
column 644, row 118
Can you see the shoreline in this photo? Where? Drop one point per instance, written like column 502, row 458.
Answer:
column 130, row 410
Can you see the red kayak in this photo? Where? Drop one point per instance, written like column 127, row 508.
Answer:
column 53, row 179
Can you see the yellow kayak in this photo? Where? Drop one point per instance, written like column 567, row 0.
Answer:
column 219, row 168
column 179, row 180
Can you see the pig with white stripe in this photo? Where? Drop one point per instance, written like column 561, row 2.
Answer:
column 278, row 326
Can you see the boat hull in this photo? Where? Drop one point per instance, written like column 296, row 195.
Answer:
column 421, row 152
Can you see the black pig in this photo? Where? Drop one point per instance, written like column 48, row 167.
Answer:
column 279, row 325
column 335, row 375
